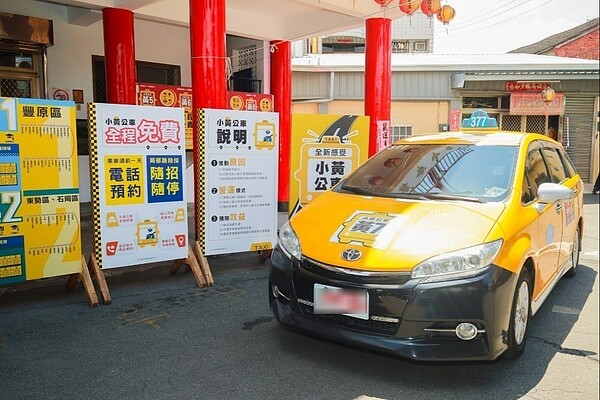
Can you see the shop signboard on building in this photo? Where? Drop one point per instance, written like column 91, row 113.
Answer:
column 149, row 94
column 40, row 231
column 138, row 184
column 324, row 150
column 238, row 194
column 533, row 104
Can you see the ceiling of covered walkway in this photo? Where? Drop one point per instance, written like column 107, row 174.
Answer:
column 257, row 19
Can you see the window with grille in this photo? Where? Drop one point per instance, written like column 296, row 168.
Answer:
column 511, row 123
column 400, row 46
column 400, row 132
column 15, row 88
column 147, row 72
column 19, row 76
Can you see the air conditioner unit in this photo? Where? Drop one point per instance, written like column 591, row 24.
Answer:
column 420, row 46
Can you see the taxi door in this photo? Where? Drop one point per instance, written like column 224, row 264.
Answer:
column 569, row 209
column 549, row 224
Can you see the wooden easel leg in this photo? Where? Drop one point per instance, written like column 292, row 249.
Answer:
column 204, row 264
column 72, row 281
column 192, row 261
column 95, row 270
column 88, row 285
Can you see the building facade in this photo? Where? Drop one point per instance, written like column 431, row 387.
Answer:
column 432, row 93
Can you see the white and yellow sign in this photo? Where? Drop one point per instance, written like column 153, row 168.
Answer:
column 40, row 233
column 137, row 156
column 239, row 168
column 324, row 150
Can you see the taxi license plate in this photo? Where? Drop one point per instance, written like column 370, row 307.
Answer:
column 335, row 300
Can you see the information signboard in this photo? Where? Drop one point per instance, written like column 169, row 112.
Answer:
column 325, row 148
column 138, row 184
column 239, row 168
column 40, row 232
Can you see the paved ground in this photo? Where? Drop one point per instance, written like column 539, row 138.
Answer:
column 164, row 338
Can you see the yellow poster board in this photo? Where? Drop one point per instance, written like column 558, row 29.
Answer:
column 324, row 149
column 40, row 231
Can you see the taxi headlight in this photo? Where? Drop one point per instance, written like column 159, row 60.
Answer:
column 288, row 241
column 458, row 264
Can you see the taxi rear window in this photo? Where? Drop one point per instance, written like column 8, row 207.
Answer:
column 483, row 173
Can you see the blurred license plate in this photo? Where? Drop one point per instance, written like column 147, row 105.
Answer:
column 334, row 300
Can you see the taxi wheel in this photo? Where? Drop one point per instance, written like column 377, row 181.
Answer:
column 519, row 316
column 574, row 256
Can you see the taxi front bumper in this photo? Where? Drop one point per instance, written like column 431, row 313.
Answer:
column 407, row 317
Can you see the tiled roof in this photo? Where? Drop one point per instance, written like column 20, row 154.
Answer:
column 555, row 40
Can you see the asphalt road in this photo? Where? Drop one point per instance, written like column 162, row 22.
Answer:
column 164, row 338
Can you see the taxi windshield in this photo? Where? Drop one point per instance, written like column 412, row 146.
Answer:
column 437, row 172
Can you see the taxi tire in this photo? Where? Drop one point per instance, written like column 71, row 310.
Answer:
column 515, row 349
column 574, row 256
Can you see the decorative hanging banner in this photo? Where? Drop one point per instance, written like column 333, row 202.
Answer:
column 154, row 95
column 40, row 231
column 138, row 184
column 324, row 150
column 237, row 208
column 383, row 135
column 250, row 101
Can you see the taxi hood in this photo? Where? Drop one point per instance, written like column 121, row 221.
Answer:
column 391, row 234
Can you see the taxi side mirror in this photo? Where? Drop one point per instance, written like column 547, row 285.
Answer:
column 552, row 192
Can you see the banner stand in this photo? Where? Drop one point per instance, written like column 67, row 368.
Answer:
column 191, row 262
column 203, row 264
column 86, row 279
column 200, row 270
column 100, row 278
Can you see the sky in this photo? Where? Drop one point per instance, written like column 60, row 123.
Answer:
column 498, row 26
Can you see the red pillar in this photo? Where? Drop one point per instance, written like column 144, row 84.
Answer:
column 209, row 79
column 281, row 88
column 378, row 75
column 119, row 55
column 207, row 36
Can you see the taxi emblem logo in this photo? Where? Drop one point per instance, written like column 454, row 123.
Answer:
column 351, row 254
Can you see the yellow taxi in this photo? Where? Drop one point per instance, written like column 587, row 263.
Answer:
column 439, row 247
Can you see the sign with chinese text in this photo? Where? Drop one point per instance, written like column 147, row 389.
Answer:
column 514, row 86
column 149, row 94
column 40, row 231
column 238, row 210
column 533, row 104
column 250, row 101
column 383, row 135
column 138, row 176
column 454, row 120
column 324, row 150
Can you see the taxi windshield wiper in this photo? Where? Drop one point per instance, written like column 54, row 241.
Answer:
column 443, row 196
column 359, row 190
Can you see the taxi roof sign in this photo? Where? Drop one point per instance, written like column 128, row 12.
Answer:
column 479, row 120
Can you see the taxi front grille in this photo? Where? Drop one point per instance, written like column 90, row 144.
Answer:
column 353, row 276
column 344, row 321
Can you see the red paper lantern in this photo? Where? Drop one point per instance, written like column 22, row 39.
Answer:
column 430, row 7
column 446, row 14
column 383, row 3
column 409, row 6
